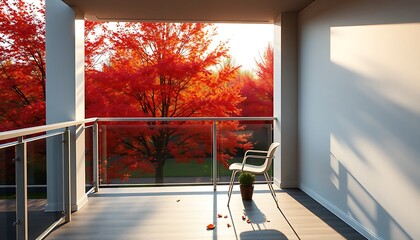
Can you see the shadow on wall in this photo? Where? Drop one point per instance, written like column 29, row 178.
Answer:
column 359, row 113
column 364, row 208
column 374, row 131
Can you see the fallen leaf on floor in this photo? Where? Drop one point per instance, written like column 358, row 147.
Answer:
column 243, row 218
column 248, row 221
column 219, row 215
column 228, row 225
column 226, row 216
column 268, row 220
column 210, row 227
column 178, row 200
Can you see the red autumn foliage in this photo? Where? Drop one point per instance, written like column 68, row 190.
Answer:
column 164, row 70
column 135, row 70
column 22, row 64
column 258, row 90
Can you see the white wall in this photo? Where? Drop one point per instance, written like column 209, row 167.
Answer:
column 285, row 100
column 359, row 113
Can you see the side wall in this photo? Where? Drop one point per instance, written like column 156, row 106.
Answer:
column 359, row 113
column 285, row 100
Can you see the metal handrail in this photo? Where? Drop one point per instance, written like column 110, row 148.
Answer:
column 50, row 127
column 39, row 129
column 167, row 119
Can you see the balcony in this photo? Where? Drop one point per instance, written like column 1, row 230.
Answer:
column 184, row 212
column 36, row 192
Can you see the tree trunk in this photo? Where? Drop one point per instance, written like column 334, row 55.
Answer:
column 159, row 174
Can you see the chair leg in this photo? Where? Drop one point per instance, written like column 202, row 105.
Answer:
column 270, row 186
column 232, row 180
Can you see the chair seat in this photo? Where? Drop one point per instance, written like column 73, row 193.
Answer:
column 247, row 168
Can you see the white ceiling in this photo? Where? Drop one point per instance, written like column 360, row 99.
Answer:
column 245, row 11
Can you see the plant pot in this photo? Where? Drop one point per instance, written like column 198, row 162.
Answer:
column 246, row 192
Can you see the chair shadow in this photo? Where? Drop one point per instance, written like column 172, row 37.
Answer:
column 267, row 234
column 258, row 220
column 253, row 213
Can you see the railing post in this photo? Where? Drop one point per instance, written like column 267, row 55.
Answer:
column 21, row 222
column 104, row 161
column 95, row 157
column 66, row 175
column 214, row 155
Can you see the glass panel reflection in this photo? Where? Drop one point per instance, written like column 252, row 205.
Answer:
column 253, row 135
column 7, row 193
column 45, row 203
column 175, row 152
column 156, row 153
column 89, row 157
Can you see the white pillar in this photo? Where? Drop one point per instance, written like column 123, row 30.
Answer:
column 285, row 100
column 65, row 99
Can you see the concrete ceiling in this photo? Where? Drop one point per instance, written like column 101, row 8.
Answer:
column 244, row 11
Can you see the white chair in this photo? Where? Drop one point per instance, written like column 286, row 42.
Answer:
column 255, row 169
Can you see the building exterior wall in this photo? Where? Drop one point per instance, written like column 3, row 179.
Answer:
column 359, row 113
column 65, row 98
column 285, row 100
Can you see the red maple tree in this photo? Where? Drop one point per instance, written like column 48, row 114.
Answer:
column 258, row 90
column 22, row 64
column 140, row 70
column 164, row 70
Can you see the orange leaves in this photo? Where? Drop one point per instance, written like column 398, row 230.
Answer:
column 211, row 227
column 165, row 71
column 247, row 220
column 219, row 215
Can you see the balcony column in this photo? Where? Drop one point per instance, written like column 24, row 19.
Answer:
column 65, row 100
column 286, row 99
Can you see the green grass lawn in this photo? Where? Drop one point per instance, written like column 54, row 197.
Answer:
column 173, row 168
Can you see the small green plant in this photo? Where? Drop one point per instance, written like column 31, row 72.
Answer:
column 246, row 179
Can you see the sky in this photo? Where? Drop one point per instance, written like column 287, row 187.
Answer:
column 246, row 41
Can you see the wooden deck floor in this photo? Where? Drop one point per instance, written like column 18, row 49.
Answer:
column 184, row 212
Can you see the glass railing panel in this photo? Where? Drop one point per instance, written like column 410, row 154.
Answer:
column 234, row 138
column 156, row 153
column 45, row 201
column 89, row 157
column 7, row 193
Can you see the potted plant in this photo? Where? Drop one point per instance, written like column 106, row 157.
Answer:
column 246, row 181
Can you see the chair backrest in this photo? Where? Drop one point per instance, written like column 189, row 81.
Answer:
column 270, row 155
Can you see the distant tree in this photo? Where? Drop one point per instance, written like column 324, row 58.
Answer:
column 165, row 70
column 22, row 64
column 258, row 90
